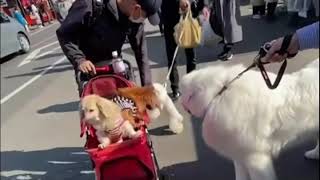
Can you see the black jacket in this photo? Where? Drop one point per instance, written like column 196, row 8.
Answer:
column 80, row 40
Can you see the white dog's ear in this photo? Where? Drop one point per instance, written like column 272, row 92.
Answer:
column 102, row 106
column 107, row 111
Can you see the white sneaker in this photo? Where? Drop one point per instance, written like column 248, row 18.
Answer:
column 256, row 16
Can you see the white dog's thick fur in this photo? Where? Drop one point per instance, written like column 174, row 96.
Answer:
column 175, row 118
column 249, row 123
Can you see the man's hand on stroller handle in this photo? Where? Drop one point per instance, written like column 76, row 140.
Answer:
column 87, row 67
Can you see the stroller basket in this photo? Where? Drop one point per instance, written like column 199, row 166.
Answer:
column 133, row 159
column 130, row 160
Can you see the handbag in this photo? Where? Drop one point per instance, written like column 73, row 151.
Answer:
column 187, row 32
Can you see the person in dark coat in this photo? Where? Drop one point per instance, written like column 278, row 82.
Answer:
column 170, row 17
column 224, row 20
column 89, row 41
column 259, row 8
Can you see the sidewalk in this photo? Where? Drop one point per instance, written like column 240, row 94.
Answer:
column 36, row 28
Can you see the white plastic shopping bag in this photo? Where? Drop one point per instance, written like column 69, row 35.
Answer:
column 209, row 38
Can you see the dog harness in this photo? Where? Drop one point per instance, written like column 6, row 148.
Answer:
column 125, row 103
column 116, row 133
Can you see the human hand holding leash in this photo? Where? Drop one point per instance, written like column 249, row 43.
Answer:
column 275, row 54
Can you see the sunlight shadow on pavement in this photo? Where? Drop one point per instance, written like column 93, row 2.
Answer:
column 61, row 108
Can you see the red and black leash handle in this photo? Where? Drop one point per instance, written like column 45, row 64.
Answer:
column 283, row 50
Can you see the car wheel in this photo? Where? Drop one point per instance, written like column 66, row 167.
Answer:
column 24, row 43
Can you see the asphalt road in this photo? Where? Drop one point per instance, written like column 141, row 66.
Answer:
column 40, row 124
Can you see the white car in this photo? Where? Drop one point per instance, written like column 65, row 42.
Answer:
column 14, row 37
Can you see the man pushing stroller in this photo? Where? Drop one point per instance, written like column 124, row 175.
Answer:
column 94, row 29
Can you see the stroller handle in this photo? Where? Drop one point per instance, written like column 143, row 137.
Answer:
column 104, row 69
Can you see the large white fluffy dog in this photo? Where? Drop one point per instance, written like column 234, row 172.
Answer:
column 249, row 123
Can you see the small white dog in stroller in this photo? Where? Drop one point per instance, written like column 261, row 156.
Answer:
column 249, row 123
column 105, row 116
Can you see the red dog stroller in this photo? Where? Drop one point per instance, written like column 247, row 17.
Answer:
column 132, row 159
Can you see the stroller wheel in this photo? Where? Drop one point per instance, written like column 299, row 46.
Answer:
column 165, row 177
column 92, row 164
column 166, row 174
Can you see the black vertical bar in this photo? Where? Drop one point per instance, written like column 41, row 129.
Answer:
column 21, row 8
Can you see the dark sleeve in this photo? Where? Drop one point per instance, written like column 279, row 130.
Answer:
column 69, row 32
column 138, row 44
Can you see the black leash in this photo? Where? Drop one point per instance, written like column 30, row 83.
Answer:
column 237, row 77
column 258, row 63
column 283, row 50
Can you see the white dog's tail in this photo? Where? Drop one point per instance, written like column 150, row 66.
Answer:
column 175, row 118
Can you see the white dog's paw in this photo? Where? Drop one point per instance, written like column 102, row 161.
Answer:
column 313, row 155
column 176, row 126
column 103, row 145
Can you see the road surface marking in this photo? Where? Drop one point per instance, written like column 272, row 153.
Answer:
column 42, row 29
column 87, row 172
column 21, row 172
column 48, row 52
column 62, row 162
column 79, row 153
column 12, row 94
column 48, row 45
column 34, row 53
column 27, row 177
column 34, row 45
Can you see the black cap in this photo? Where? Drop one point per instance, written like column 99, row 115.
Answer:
column 151, row 7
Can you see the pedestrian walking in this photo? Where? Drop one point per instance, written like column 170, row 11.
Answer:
column 89, row 41
column 170, row 17
column 21, row 19
column 224, row 19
